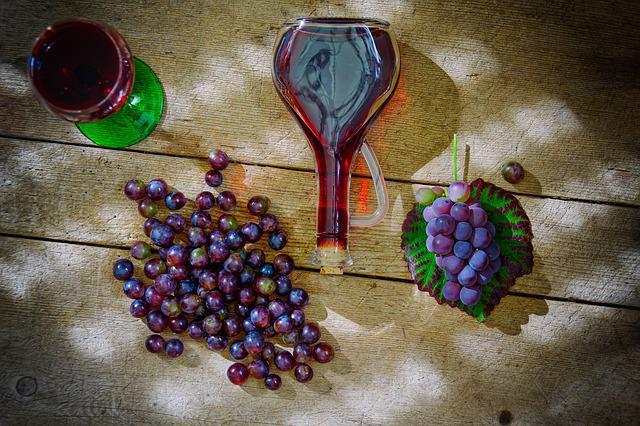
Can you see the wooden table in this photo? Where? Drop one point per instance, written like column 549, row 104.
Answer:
column 554, row 86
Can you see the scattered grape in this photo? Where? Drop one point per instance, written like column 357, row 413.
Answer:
column 156, row 321
column 218, row 159
column 310, row 332
column 195, row 330
column 303, row 373
column 157, row 189
column 226, row 200
column 133, row 288
column 217, row 343
column 323, row 352
column 273, row 382
column 237, row 350
column 258, row 205
column 139, row 308
column 162, row 235
column 175, row 200
column 284, row 360
column 154, row 343
column 227, row 222
column 135, row 189
column 213, row 178
column 140, row 250
column 178, row 324
column 123, row 269
column 298, row 298
column 268, row 222
column 512, row 172
column 174, row 348
column 278, row 239
column 201, row 219
column 251, row 232
column 258, row 368
column 148, row 225
column 254, row 342
column 283, row 285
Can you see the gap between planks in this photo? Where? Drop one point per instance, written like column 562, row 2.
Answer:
column 302, row 169
column 351, row 274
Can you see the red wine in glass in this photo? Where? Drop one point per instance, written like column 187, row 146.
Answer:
column 83, row 71
column 335, row 75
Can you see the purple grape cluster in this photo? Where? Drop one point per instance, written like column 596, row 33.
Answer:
column 208, row 281
column 461, row 236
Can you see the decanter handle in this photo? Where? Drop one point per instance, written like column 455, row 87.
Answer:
column 380, row 187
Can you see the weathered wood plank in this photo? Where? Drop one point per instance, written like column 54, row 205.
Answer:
column 552, row 85
column 401, row 358
column 583, row 251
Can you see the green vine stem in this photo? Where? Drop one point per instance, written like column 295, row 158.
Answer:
column 455, row 157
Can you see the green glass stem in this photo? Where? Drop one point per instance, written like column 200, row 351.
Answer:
column 136, row 119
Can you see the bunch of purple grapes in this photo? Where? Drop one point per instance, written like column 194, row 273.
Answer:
column 461, row 236
column 209, row 282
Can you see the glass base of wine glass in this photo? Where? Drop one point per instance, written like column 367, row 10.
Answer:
column 136, row 119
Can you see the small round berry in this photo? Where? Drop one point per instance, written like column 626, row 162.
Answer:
column 218, row 159
column 135, row 189
column 213, row 178
column 154, row 343
column 123, row 269
column 273, row 382
column 174, row 348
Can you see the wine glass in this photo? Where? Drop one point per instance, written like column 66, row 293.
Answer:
column 335, row 75
column 84, row 72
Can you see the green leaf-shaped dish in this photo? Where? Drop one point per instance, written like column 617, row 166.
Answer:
column 513, row 235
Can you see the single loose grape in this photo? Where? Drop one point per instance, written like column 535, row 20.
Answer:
column 303, row 373
column 323, row 352
column 157, row 321
column 214, row 301
column 147, row 207
column 278, row 308
column 133, row 288
column 205, row 200
column 217, row 342
column 255, row 258
column 162, row 235
column 185, row 286
column 247, row 276
column 283, row 324
column 283, row 285
column 232, row 326
column 251, row 232
column 178, row 272
column 260, row 316
column 201, row 219
column 195, row 330
column 303, row 352
column 228, row 282
column 265, row 286
column 284, row 360
column 218, row 251
column 272, row 382
column 297, row 315
column 234, row 239
column 189, row 304
column 298, row 298
column 153, row 297
column 291, row 338
column 140, row 250
column 139, row 308
column 213, row 178
column 157, row 189
column 268, row 222
column 254, row 342
column 512, row 172
column 242, row 310
column 258, row 205
column 269, row 352
column 267, row 270
column 174, row 348
column 198, row 257
column 218, row 159
column 148, row 225
column 154, row 343
column 234, row 263
column 176, row 221
column 278, row 239
column 122, row 269
column 237, row 350
column 170, row 306
column 226, row 200
column 175, row 200
column 178, row 324
column 310, row 332
column 283, row 263
column 258, row 368
column 165, row 284
column 227, row 222
column 135, row 189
